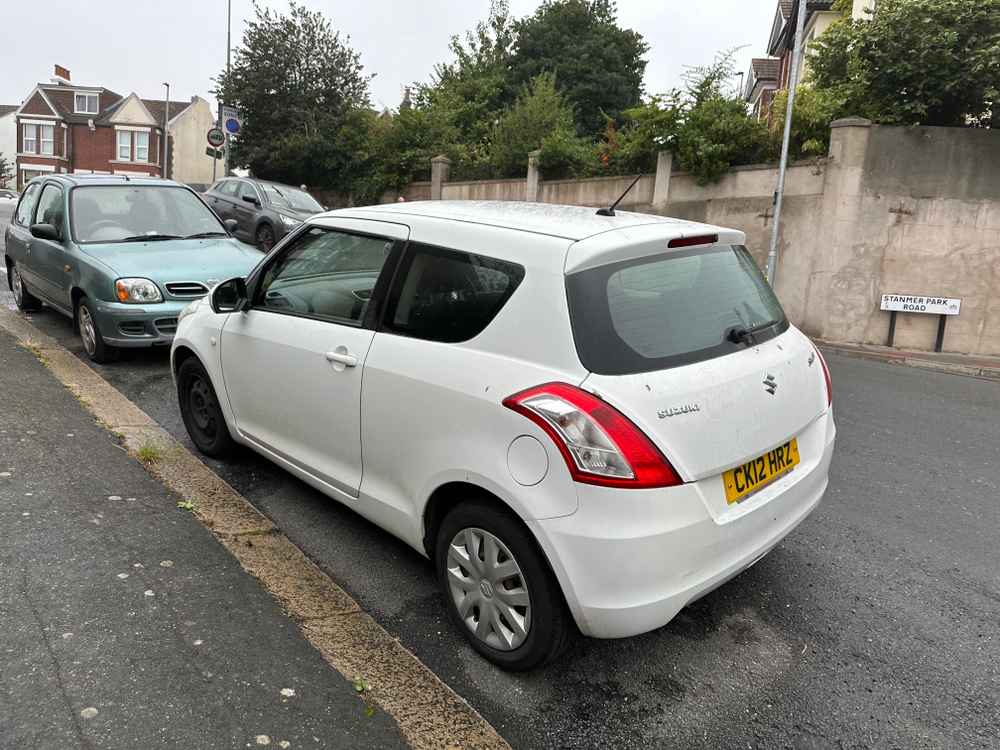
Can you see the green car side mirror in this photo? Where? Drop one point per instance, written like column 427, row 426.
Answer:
column 45, row 232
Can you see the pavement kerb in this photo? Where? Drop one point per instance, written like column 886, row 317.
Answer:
column 429, row 713
column 908, row 360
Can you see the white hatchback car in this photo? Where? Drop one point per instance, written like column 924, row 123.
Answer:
column 580, row 418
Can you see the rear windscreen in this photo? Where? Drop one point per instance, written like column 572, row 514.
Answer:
column 670, row 310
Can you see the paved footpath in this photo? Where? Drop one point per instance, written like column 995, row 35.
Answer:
column 123, row 622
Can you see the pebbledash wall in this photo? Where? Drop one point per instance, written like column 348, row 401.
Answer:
column 889, row 210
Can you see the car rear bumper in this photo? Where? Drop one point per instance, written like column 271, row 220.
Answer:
column 130, row 326
column 630, row 560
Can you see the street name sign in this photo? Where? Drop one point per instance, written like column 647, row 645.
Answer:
column 214, row 153
column 931, row 305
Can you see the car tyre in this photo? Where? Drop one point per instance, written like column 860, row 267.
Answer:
column 265, row 238
column 203, row 417
column 93, row 342
column 25, row 300
column 520, row 587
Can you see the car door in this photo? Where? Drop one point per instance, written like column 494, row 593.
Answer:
column 18, row 234
column 47, row 260
column 224, row 199
column 246, row 208
column 292, row 362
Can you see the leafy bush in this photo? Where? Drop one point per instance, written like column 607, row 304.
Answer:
column 814, row 110
column 564, row 154
column 914, row 62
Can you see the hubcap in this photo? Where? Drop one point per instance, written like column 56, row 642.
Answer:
column 87, row 331
column 488, row 589
column 18, row 290
column 265, row 239
column 202, row 407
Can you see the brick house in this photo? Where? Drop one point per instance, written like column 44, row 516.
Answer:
column 63, row 127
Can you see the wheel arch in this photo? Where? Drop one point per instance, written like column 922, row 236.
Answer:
column 179, row 356
column 9, row 266
column 75, row 295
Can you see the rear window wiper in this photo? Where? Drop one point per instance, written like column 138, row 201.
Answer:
column 145, row 237
column 741, row 335
column 203, row 235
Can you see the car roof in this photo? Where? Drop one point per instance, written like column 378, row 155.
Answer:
column 107, row 179
column 567, row 222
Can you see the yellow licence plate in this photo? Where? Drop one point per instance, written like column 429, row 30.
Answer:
column 746, row 479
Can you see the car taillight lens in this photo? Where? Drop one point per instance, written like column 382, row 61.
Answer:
column 600, row 445
column 826, row 375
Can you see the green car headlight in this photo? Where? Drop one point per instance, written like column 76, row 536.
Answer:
column 137, row 291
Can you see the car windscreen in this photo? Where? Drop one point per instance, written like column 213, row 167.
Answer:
column 678, row 308
column 125, row 213
column 282, row 196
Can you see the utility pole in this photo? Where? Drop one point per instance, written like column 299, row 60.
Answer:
column 779, row 195
column 166, row 138
column 229, row 26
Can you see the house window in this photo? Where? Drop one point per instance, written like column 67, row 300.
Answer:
column 85, row 104
column 124, row 145
column 28, row 147
column 47, row 139
column 142, row 146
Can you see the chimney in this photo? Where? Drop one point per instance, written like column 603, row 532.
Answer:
column 61, row 74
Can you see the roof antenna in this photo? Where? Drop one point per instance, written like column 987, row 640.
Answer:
column 610, row 210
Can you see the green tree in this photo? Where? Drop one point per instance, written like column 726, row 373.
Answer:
column 539, row 112
column 298, row 87
column 475, row 87
column 926, row 62
column 598, row 64
column 706, row 129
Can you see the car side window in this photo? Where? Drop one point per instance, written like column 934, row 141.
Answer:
column 50, row 207
column 324, row 273
column 27, row 205
column 448, row 296
column 248, row 190
column 229, row 187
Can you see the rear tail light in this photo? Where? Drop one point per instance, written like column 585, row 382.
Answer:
column 826, row 375
column 599, row 444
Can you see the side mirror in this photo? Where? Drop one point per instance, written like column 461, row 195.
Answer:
column 45, row 232
column 251, row 199
column 230, row 225
column 229, row 296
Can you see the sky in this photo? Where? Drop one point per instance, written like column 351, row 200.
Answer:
column 136, row 45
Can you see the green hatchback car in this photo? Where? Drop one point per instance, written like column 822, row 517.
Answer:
column 121, row 256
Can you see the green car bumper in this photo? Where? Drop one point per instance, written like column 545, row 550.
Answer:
column 138, row 325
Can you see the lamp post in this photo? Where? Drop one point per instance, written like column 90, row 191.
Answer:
column 779, row 195
column 166, row 138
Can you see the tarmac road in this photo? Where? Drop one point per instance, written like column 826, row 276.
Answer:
column 873, row 624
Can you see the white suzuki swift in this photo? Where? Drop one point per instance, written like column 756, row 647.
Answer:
column 581, row 418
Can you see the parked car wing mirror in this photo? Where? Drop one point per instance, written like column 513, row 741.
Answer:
column 251, row 199
column 230, row 225
column 45, row 232
column 229, row 296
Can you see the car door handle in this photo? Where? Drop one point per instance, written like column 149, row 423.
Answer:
column 348, row 360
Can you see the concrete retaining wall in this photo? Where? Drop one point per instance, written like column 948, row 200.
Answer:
column 889, row 210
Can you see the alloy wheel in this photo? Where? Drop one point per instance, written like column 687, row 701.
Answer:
column 88, row 332
column 18, row 288
column 489, row 589
column 265, row 239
